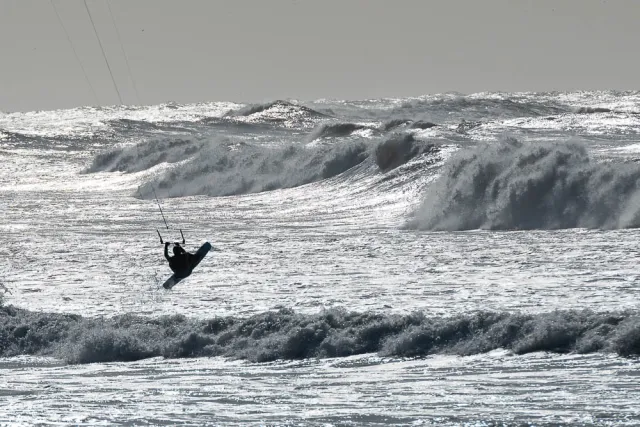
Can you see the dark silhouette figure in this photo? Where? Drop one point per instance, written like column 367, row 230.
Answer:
column 181, row 263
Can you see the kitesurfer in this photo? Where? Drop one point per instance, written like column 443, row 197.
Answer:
column 180, row 263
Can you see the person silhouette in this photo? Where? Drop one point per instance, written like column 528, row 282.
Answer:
column 181, row 261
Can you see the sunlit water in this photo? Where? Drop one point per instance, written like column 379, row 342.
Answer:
column 82, row 243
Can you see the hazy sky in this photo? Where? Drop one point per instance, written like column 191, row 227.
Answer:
column 257, row 50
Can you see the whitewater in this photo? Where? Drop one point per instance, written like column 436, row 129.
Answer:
column 439, row 260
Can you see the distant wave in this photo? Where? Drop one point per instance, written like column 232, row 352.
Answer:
column 144, row 155
column 466, row 126
column 278, row 104
column 418, row 124
column 421, row 124
column 285, row 334
column 26, row 139
column 139, row 129
column 132, row 124
column 457, row 107
column 12, row 136
column 326, row 130
column 510, row 185
column 591, row 110
column 11, row 139
column 394, row 123
column 282, row 112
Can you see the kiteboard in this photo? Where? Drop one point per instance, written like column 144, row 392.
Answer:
column 197, row 257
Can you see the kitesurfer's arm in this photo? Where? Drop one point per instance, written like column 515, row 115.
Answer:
column 166, row 251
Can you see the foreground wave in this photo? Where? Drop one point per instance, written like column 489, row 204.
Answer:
column 285, row 334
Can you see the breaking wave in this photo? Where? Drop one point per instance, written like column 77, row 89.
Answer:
column 222, row 167
column 285, row 334
column 510, row 185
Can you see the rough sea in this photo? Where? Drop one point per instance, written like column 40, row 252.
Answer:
column 445, row 260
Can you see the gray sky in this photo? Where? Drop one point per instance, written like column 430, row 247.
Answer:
column 258, row 50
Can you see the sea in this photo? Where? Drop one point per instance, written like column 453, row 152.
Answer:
column 438, row 260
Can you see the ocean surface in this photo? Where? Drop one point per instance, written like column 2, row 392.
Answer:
column 439, row 260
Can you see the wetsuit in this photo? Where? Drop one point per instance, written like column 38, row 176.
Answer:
column 181, row 262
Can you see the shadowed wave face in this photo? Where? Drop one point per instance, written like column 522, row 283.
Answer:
column 399, row 149
column 286, row 334
column 510, row 185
